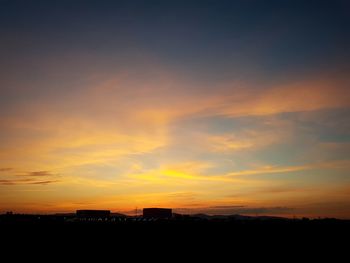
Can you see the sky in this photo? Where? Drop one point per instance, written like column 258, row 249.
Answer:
column 218, row 107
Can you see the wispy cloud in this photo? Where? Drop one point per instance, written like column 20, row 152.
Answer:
column 25, row 181
column 270, row 170
column 39, row 174
column 14, row 181
column 303, row 95
column 45, row 182
column 5, row 169
column 29, row 178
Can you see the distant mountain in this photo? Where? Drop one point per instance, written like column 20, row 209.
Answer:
column 203, row 216
column 237, row 217
column 271, row 218
column 240, row 217
column 118, row 215
column 65, row 214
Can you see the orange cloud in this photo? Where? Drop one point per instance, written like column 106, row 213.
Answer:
column 324, row 92
column 109, row 121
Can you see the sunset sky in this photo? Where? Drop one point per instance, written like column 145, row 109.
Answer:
column 219, row 107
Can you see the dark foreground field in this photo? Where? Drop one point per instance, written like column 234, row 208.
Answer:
column 171, row 239
column 170, row 229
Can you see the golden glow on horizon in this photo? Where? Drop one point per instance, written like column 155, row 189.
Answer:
column 124, row 149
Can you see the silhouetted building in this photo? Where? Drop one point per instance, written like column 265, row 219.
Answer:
column 157, row 213
column 93, row 214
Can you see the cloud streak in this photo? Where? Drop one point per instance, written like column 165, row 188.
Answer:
column 28, row 178
column 38, row 174
column 5, row 169
column 25, row 182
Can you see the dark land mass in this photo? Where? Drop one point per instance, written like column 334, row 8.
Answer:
column 199, row 224
column 178, row 237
